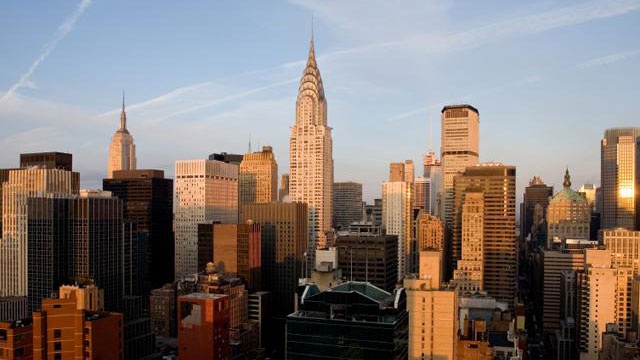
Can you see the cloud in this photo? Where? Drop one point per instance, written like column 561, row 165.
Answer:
column 61, row 33
column 609, row 59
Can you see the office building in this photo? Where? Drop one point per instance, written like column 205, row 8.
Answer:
column 397, row 214
column 373, row 213
column 460, row 146
column 16, row 340
column 429, row 232
column 148, row 201
column 258, row 181
column 624, row 246
column 284, row 188
column 568, row 214
column 162, row 310
column 369, row 258
column 433, row 313
column 21, row 185
column 533, row 210
column 228, row 158
column 206, row 190
column 341, row 322
column 469, row 274
column 311, row 154
column 589, row 191
column 260, row 305
column 122, row 150
column 422, row 194
column 47, row 160
column 62, row 331
column 347, row 204
column 234, row 249
column 13, row 308
column 203, row 326
column 433, row 173
column 619, row 179
column 497, row 183
column 284, row 243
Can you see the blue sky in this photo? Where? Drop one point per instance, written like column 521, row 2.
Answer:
column 203, row 76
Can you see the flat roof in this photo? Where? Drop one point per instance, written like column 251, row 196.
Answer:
column 460, row 106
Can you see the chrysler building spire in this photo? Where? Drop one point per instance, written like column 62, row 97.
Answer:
column 311, row 154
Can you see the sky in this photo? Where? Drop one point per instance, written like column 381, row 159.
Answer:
column 548, row 77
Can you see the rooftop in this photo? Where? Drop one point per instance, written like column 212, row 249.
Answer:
column 203, row 296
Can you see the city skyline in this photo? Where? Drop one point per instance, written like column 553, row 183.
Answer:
column 74, row 90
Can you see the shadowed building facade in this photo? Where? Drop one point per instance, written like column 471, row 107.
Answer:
column 347, row 204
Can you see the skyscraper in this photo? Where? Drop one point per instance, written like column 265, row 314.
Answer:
column 258, row 181
column 122, row 151
column 498, row 184
column 47, row 160
column 284, row 187
column 311, row 154
column 206, row 190
column 533, row 210
column 619, row 179
column 347, row 204
column 203, row 326
column 397, row 215
column 470, row 271
column 433, row 172
column 148, row 200
column 429, row 233
column 460, row 146
column 422, row 192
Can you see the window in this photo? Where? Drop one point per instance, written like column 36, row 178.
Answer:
column 57, row 333
column 57, row 346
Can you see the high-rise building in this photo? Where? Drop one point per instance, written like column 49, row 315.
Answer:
column 206, row 190
column 284, row 242
column 258, row 177
column 226, row 157
column 21, row 185
column 422, row 194
column 429, row 232
column 284, row 187
column 47, row 160
column 589, row 191
column 148, row 201
column 433, row 311
column 369, row 258
column 533, row 210
column 203, row 326
column 311, row 154
column 433, row 172
column 624, row 246
column 397, row 214
column 122, row 151
column 470, row 271
column 347, row 204
column 341, row 322
column 568, row 214
column 162, row 310
column 619, row 179
column 373, row 213
column 459, row 147
column 498, row 184
column 234, row 249
column 260, row 305
column 16, row 340
column 62, row 331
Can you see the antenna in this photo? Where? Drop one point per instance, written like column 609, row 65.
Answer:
column 249, row 142
column 430, row 134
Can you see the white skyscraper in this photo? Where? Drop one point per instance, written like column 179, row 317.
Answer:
column 311, row 154
column 122, row 151
column 206, row 190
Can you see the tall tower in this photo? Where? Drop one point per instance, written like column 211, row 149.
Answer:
column 619, row 178
column 311, row 154
column 258, row 181
column 122, row 151
column 460, row 148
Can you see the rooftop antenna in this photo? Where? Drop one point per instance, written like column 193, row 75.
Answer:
column 249, row 142
column 430, row 134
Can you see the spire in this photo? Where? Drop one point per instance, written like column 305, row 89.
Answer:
column 123, row 116
column 567, row 179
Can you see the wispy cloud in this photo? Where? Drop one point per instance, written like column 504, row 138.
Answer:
column 61, row 33
column 609, row 59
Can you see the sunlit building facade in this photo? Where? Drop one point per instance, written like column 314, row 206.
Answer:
column 397, row 215
column 470, row 272
column 122, row 151
column 568, row 214
column 259, row 177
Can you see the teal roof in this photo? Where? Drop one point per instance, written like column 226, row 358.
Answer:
column 363, row 288
column 567, row 193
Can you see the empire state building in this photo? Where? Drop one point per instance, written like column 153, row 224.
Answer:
column 122, row 151
column 311, row 154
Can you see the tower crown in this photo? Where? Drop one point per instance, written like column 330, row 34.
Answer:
column 567, row 179
column 123, row 118
column 311, row 103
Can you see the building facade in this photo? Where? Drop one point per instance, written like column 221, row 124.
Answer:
column 568, row 214
column 370, row 259
column 311, row 154
column 347, row 204
column 258, row 181
column 429, row 232
column 206, row 190
column 203, row 326
column 533, row 210
column 397, row 211
column 469, row 274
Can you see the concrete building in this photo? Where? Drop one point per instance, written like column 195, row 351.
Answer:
column 429, row 232
column 369, row 258
column 469, row 274
column 533, row 210
column 619, row 179
column 347, row 204
column 258, row 177
column 62, row 331
column 568, row 214
column 285, row 240
column 148, row 200
column 624, row 246
column 122, row 150
column 21, row 185
column 422, row 194
column 203, row 326
column 432, row 309
column 16, row 340
column 397, row 214
column 311, row 154
column 342, row 322
column 206, row 190
column 47, row 160
column 497, row 183
column 460, row 147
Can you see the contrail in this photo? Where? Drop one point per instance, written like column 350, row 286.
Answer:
column 61, row 33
